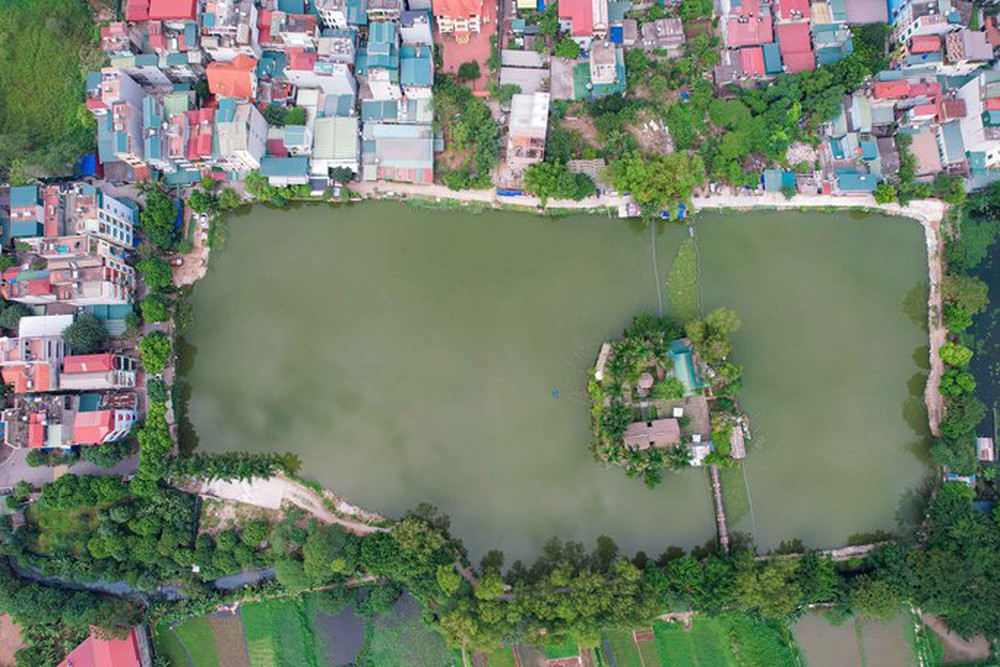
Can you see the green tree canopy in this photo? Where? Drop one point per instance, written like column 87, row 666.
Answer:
column 155, row 352
column 87, row 334
column 155, row 272
column 658, row 182
column 11, row 315
column 155, row 308
column 158, row 220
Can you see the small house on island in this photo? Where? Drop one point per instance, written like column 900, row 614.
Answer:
column 681, row 354
column 656, row 433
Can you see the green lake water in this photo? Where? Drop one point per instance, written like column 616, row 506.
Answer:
column 412, row 355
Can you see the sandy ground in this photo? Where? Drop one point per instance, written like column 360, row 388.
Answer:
column 271, row 493
column 957, row 649
column 10, row 640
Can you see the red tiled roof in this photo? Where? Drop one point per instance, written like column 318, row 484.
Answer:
column 925, row 110
column 97, row 652
column 993, row 104
column 233, row 78
column 749, row 31
column 301, row 60
column 953, row 109
column 799, row 7
column 580, row 13
column 137, row 10
column 925, row 44
column 463, row 8
column 793, row 38
column 90, row 428
column 992, row 33
column 199, row 144
column 41, row 377
column 931, row 89
column 173, row 10
column 891, row 90
column 264, row 26
column 276, row 148
column 752, row 61
column 89, row 363
column 799, row 62
column 36, row 430
column 39, row 286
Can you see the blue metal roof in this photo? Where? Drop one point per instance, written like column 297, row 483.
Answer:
column 416, row 68
column 23, row 195
column 284, row 166
column 772, row 58
column 849, row 180
column 292, row 6
column 869, row 149
column 616, row 34
column 295, row 135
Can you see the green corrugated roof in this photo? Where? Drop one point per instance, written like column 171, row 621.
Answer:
column 284, row 166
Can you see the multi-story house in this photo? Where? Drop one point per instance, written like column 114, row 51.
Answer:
column 241, row 136
column 236, row 78
column 584, row 20
column 910, row 18
column 95, row 213
column 981, row 124
column 77, row 271
column 65, row 420
column 229, row 29
column 116, row 100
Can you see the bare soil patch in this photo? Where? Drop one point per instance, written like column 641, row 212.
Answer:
column 229, row 642
column 10, row 640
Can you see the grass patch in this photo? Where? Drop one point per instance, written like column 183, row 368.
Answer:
column 682, row 282
column 501, row 657
column 927, row 648
column 734, row 492
column 563, row 647
column 168, row 646
column 757, row 643
column 623, row 648
column 42, row 46
column 400, row 638
column 198, row 640
column 704, row 645
column 279, row 633
column 61, row 531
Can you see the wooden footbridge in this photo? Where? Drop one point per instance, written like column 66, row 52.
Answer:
column 720, row 510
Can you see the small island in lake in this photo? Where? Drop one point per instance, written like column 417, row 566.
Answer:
column 663, row 396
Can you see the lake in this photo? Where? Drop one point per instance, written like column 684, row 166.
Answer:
column 414, row 355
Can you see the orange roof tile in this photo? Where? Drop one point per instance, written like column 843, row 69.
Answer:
column 89, row 363
column 233, row 78
column 90, row 428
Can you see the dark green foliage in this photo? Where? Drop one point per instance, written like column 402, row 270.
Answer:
column 962, row 415
column 201, row 201
column 155, row 352
column 468, row 125
column 295, row 116
column 342, row 174
column 379, row 600
column 109, row 454
column 157, row 390
column 469, row 71
column 45, row 46
column 158, row 220
column 274, row 114
column 950, row 188
column 548, row 179
column 155, row 271
column 155, row 308
column 232, row 466
column 955, row 383
column 87, row 334
column 567, row 48
column 11, row 315
column 692, row 10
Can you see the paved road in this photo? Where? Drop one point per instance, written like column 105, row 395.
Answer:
column 15, row 468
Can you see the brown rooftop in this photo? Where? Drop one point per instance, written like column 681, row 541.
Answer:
column 657, row 433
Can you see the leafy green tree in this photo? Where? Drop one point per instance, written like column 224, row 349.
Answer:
column 491, row 585
column 228, row 199
column 342, row 174
column 885, row 193
column 158, row 219
column 379, row 600
column 555, row 180
column 201, row 201
column 770, row 587
column 155, row 272
column 950, row 188
column 449, row 581
column 157, row 390
column 12, row 314
column 295, row 116
column 961, row 416
column 328, row 552
column 291, row 575
column 155, row 308
column 658, row 182
column 155, row 352
column 670, row 389
column 108, row 454
column 692, row 10
column 548, row 22
column 254, row 532
column 567, row 48
column 968, row 293
column 955, row 355
column 274, row 114
column 469, row 71
column 955, row 383
column 788, row 191
column 85, row 335
column 874, row 599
